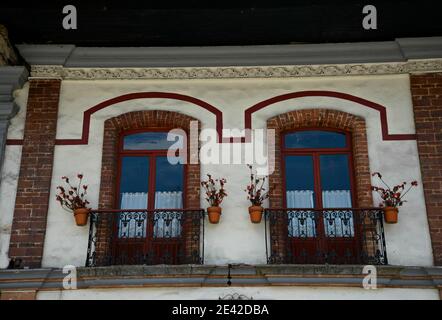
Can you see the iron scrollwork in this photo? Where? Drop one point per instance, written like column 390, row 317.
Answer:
column 160, row 236
column 325, row 236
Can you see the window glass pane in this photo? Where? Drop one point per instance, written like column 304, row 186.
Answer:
column 299, row 173
column 134, row 177
column 336, row 193
column 150, row 141
column 315, row 139
column 168, row 195
column 134, row 184
column 335, row 171
column 300, row 194
column 169, row 182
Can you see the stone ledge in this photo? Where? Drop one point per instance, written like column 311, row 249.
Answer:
column 217, row 275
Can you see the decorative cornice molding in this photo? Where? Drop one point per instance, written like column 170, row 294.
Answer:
column 46, row 71
column 66, row 73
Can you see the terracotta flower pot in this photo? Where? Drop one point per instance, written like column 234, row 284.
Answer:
column 214, row 214
column 81, row 215
column 255, row 213
column 390, row 214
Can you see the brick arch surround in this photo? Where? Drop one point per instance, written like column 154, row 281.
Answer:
column 113, row 127
column 149, row 119
column 323, row 118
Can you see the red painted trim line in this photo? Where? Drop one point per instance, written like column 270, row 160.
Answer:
column 14, row 142
column 219, row 116
column 141, row 95
column 339, row 95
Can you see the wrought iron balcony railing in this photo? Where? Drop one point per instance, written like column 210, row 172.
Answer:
column 138, row 236
column 325, row 236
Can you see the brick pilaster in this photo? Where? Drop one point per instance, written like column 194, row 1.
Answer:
column 34, row 183
column 426, row 90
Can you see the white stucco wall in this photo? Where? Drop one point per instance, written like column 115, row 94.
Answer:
column 8, row 187
column 257, row 293
column 9, row 174
column 17, row 123
column 235, row 239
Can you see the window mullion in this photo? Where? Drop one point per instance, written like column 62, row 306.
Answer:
column 317, row 176
column 152, row 177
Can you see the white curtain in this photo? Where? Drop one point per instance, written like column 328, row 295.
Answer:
column 168, row 200
column 301, row 224
column 134, row 200
column 336, row 199
column 338, row 223
column 168, row 224
column 133, row 224
column 300, row 199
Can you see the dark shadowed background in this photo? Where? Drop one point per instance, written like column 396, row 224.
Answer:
column 201, row 23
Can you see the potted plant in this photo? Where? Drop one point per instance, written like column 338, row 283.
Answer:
column 256, row 195
column 214, row 195
column 392, row 198
column 73, row 199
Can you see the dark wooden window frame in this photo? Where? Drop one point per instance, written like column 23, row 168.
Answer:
column 146, row 244
column 316, row 153
column 114, row 129
column 321, row 242
column 323, row 119
column 152, row 154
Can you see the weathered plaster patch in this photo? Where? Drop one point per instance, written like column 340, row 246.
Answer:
column 17, row 123
column 8, row 188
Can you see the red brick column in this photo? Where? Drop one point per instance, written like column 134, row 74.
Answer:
column 426, row 92
column 34, row 183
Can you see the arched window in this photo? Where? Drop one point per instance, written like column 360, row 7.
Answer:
column 317, row 169
column 149, row 207
column 149, row 180
column 320, row 197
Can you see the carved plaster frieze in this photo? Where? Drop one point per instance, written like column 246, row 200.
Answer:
column 67, row 73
